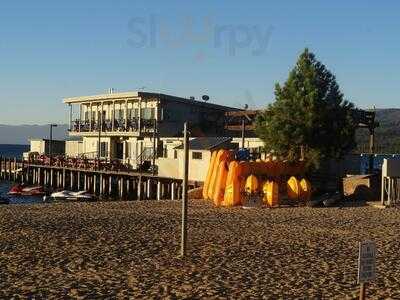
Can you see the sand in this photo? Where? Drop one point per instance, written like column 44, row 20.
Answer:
column 129, row 250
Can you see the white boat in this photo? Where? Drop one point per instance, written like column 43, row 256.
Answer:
column 70, row 196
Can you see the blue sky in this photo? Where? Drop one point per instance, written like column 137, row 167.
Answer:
column 233, row 51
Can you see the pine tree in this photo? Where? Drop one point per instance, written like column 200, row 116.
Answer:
column 309, row 113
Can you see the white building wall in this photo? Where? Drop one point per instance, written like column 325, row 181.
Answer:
column 249, row 142
column 73, row 148
column 173, row 168
column 38, row 146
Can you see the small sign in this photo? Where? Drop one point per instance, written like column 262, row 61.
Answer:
column 366, row 261
column 252, row 201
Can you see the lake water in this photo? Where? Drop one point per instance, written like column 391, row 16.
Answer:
column 13, row 151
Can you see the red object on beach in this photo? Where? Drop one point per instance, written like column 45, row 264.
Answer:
column 16, row 190
column 19, row 190
column 33, row 191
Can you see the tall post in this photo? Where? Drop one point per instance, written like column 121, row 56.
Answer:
column 101, row 116
column 243, row 131
column 154, row 146
column 371, row 148
column 184, row 190
column 80, row 117
column 90, row 116
column 51, row 144
column 126, row 115
column 113, row 116
column 70, row 117
column 99, row 149
column 140, row 117
column 362, row 291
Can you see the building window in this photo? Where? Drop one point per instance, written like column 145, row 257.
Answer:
column 175, row 154
column 130, row 113
column 197, row 155
column 103, row 149
column 128, row 150
column 148, row 113
column 165, row 152
column 118, row 114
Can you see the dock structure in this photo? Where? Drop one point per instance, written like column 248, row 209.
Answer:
column 125, row 145
column 124, row 185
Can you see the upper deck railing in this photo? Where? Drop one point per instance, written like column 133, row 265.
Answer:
column 120, row 125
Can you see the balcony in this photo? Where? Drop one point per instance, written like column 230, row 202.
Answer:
column 132, row 125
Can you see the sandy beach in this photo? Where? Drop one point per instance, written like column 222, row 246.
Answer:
column 129, row 249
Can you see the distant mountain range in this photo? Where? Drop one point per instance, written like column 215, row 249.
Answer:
column 387, row 134
column 21, row 134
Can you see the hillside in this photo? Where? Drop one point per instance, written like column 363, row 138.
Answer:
column 387, row 134
column 20, row 134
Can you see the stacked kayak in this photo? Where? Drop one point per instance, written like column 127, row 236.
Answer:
column 229, row 182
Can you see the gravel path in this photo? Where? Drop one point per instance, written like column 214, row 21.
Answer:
column 129, row 249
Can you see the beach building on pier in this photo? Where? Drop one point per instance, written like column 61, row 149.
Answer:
column 42, row 147
column 138, row 128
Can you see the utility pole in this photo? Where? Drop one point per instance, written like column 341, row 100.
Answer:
column 99, row 149
column 243, row 131
column 154, row 146
column 185, row 189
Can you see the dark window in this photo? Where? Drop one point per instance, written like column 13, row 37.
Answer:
column 197, row 155
column 103, row 149
column 119, row 150
column 175, row 154
column 165, row 152
column 127, row 150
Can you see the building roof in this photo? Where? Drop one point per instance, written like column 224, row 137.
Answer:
column 137, row 95
column 46, row 140
column 206, row 143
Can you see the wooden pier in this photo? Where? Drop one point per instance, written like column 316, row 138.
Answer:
column 125, row 185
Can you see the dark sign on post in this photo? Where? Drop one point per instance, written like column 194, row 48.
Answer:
column 366, row 265
column 366, row 261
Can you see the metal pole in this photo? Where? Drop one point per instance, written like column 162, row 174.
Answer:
column 185, row 189
column 362, row 291
column 70, row 117
column 243, row 131
column 371, row 149
column 51, row 143
column 154, row 146
column 99, row 149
